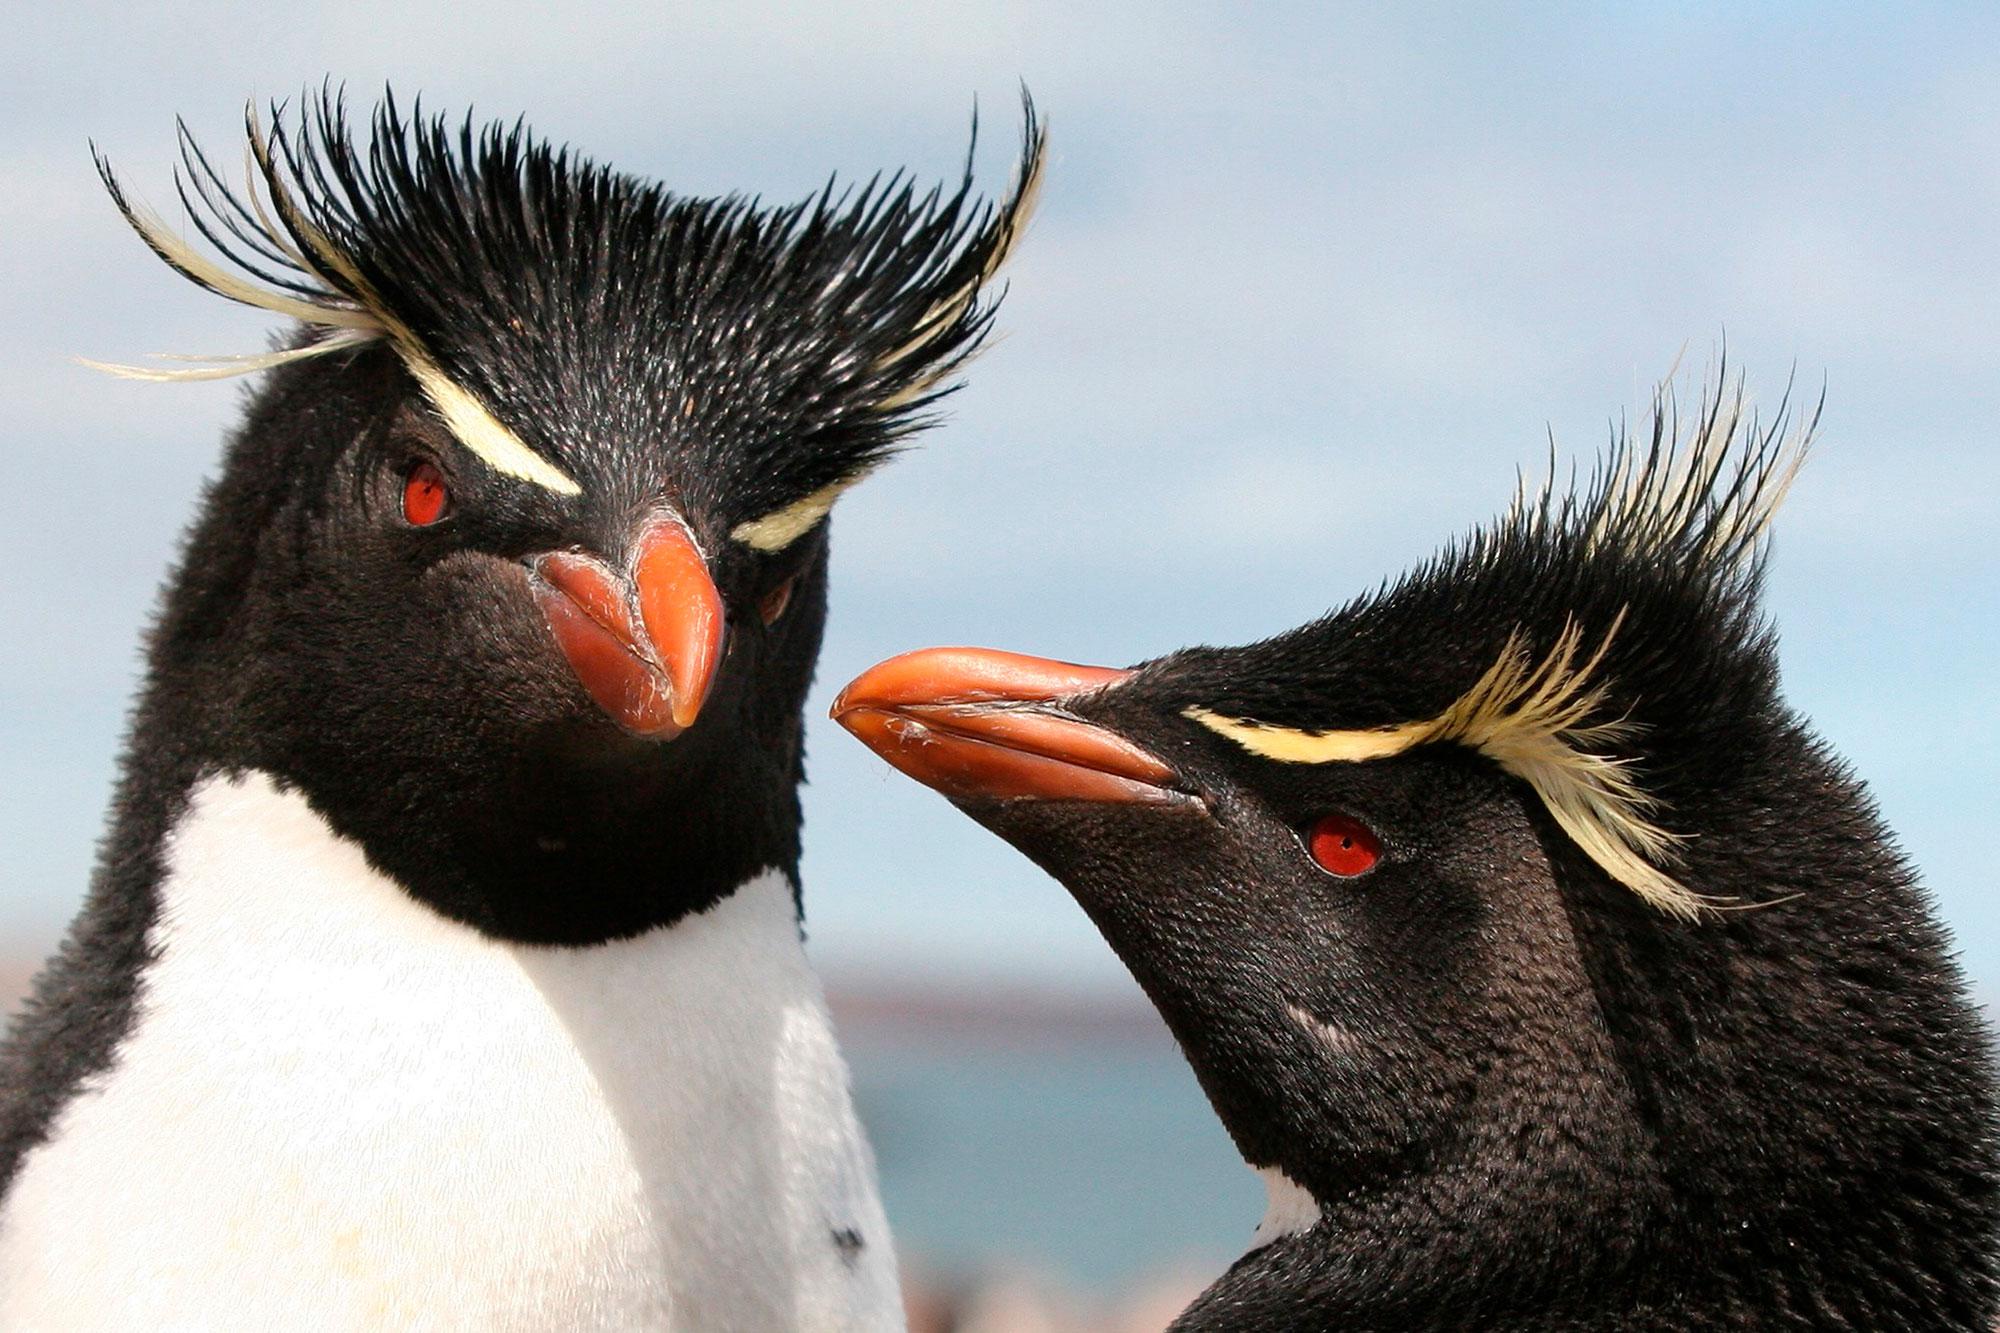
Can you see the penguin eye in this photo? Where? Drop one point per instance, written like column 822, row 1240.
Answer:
column 426, row 499
column 773, row 603
column 1343, row 846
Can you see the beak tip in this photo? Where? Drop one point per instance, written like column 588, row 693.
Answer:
column 849, row 719
column 690, row 696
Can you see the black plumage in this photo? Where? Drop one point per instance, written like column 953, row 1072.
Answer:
column 688, row 362
column 776, row 350
column 1624, row 1011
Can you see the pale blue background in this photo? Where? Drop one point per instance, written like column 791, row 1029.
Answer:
column 1308, row 285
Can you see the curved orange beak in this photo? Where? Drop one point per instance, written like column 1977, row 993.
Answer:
column 985, row 725
column 645, row 645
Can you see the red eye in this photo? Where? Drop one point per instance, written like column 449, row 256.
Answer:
column 425, row 498
column 1343, row 846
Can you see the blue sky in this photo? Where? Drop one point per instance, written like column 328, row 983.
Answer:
column 1307, row 288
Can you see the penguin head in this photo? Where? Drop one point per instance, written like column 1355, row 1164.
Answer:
column 1507, row 911
column 518, row 566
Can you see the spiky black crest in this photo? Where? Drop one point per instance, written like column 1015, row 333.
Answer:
column 522, row 275
column 1594, row 642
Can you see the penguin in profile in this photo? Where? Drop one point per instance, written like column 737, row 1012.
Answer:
column 443, row 965
column 1551, row 971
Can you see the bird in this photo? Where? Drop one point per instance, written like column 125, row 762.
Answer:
column 443, row 963
column 1549, row 968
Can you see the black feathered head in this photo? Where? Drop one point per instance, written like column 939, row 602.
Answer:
column 787, row 349
column 1542, row 958
column 1595, row 644
column 518, row 565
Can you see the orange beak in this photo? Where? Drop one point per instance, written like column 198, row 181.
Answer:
column 644, row 645
column 984, row 725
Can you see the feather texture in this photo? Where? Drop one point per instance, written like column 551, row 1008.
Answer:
column 504, row 271
column 1689, row 506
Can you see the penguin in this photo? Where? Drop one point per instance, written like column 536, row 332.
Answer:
column 443, row 965
column 1551, row 971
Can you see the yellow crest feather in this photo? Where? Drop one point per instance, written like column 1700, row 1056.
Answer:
column 345, row 305
column 1532, row 719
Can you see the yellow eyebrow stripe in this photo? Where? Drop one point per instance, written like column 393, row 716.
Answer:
column 1294, row 745
column 481, row 432
column 785, row 525
column 1532, row 719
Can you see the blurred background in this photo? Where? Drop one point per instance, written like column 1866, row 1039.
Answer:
column 1307, row 287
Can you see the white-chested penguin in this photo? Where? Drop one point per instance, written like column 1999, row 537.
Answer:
column 1552, row 972
column 443, row 966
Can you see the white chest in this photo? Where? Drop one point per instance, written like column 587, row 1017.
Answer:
column 336, row 1109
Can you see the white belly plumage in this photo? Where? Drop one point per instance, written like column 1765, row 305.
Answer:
column 338, row 1110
